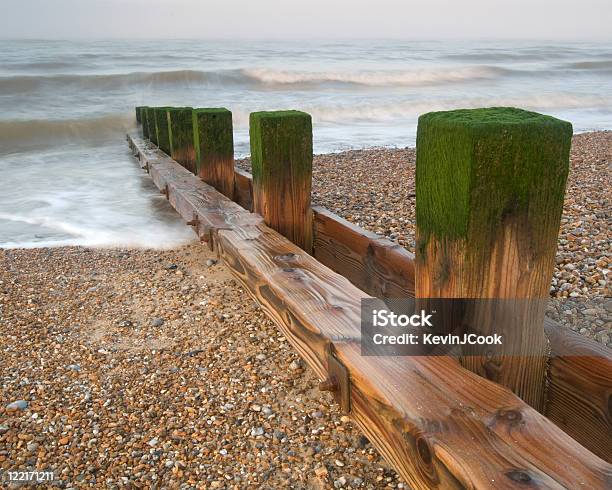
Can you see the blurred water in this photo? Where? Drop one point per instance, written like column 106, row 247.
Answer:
column 67, row 177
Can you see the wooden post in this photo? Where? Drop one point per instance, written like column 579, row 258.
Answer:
column 151, row 124
column 281, row 158
column 180, row 126
column 161, row 129
column 138, row 118
column 214, row 148
column 490, row 187
column 144, row 122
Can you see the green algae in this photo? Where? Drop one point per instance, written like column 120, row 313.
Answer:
column 152, row 133
column 180, row 130
column 161, row 129
column 213, row 136
column 144, row 121
column 281, row 144
column 478, row 168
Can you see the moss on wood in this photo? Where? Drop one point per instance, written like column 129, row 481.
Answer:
column 151, row 132
column 478, row 167
column 213, row 140
column 281, row 159
column 281, row 141
column 213, row 135
column 180, row 130
column 144, row 122
column 161, row 128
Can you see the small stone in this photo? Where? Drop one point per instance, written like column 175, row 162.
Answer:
column 157, row 322
column 125, row 323
column 321, row 472
column 172, row 267
column 363, row 441
column 4, row 429
column 256, row 408
column 32, row 447
column 317, row 415
column 267, row 411
column 260, row 357
column 295, row 365
column 73, row 367
column 63, row 441
column 257, row 431
column 279, row 435
column 211, row 262
column 223, row 452
column 339, row 463
column 153, row 442
column 345, row 419
column 17, row 405
column 340, row 482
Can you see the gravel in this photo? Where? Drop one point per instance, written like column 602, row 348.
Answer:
column 173, row 355
column 189, row 403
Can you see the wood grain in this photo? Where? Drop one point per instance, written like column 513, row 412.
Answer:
column 377, row 266
column 243, row 188
column 440, row 425
column 281, row 160
column 579, row 396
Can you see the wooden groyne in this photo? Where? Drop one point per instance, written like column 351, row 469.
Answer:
column 441, row 424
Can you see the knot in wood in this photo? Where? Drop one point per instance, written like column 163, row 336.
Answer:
column 519, row 476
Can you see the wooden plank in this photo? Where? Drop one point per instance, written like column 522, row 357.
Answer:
column 243, row 188
column 490, row 187
column 377, row 266
column 579, row 395
column 281, row 159
column 440, row 425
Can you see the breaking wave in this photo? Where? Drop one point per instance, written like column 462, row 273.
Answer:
column 19, row 135
column 251, row 77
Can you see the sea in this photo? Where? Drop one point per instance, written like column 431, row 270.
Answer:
column 67, row 177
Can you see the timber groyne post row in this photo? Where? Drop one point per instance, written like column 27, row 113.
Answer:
column 490, row 185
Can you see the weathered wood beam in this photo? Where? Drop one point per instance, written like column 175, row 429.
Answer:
column 438, row 424
column 579, row 379
column 144, row 122
column 214, row 148
column 490, row 187
column 180, row 130
column 579, row 394
column 378, row 266
column 152, row 133
column 138, row 114
column 243, row 188
column 162, row 134
column 281, row 159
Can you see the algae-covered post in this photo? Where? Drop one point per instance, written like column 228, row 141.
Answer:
column 150, row 111
column 490, row 186
column 281, row 158
column 161, row 129
column 214, row 148
column 180, row 126
column 144, row 121
column 138, row 114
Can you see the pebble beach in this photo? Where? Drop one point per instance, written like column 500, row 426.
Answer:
column 127, row 368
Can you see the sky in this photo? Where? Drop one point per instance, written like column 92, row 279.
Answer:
column 269, row 19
